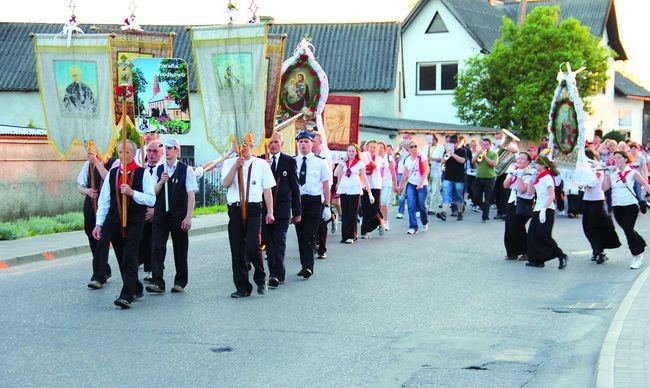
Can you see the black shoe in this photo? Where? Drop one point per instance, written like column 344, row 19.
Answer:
column 155, row 289
column 460, row 217
column 95, row 285
column 510, row 257
column 138, row 296
column 301, row 273
column 240, row 294
column 454, row 214
column 306, row 273
column 261, row 289
column 430, row 212
column 563, row 261
column 123, row 303
column 442, row 216
column 594, row 257
column 536, row 265
column 601, row 258
column 274, row 283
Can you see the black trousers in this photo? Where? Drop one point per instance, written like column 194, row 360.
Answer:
column 321, row 236
column 245, row 238
column 501, row 195
column 626, row 218
column 575, row 203
column 162, row 226
column 306, row 229
column 126, row 251
column 598, row 227
column 371, row 215
column 349, row 211
column 541, row 246
column 275, row 239
column 484, row 187
column 101, row 268
column 515, row 236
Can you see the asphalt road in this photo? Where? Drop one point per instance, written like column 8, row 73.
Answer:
column 440, row 308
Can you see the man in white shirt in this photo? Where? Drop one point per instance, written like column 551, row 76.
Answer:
column 244, row 233
column 139, row 193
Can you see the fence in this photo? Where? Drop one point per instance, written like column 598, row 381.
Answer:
column 211, row 191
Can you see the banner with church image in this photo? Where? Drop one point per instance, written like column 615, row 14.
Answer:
column 162, row 95
column 76, row 91
column 230, row 63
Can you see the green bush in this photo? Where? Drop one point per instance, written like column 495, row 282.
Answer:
column 41, row 225
column 71, row 221
column 616, row 135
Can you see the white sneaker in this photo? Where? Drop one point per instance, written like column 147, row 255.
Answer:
column 386, row 228
column 637, row 261
column 349, row 241
column 411, row 231
column 399, row 216
column 366, row 236
column 425, row 227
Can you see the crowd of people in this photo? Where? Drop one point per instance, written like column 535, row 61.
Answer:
column 135, row 203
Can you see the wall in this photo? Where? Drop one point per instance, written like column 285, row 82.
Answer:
column 34, row 182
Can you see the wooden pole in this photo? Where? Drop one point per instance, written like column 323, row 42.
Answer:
column 124, row 172
column 91, row 169
column 143, row 151
column 242, row 194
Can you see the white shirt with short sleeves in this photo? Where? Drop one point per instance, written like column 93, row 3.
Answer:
column 594, row 190
column 318, row 172
column 541, row 190
column 384, row 171
column 413, row 167
column 351, row 185
column 261, row 179
column 622, row 192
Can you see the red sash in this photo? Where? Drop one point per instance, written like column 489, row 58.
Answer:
column 370, row 169
column 622, row 177
column 348, row 171
column 542, row 175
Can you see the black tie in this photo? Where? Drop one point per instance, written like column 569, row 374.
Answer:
column 274, row 166
column 303, row 171
column 151, row 169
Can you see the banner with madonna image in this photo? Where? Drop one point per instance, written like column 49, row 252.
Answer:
column 76, row 91
column 230, row 63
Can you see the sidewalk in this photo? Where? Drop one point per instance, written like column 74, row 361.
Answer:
column 59, row 245
column 625, row 355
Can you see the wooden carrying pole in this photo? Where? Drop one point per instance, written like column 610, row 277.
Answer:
column 242, row 194
column 91, row 170
column 124, row 172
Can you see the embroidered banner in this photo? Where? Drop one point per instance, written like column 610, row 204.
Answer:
column 230, row 72
column 274, row 59
column 76, row 91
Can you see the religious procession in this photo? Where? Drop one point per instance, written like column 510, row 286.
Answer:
column 288, row 153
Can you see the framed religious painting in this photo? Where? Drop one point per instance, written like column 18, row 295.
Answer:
column 341, row 120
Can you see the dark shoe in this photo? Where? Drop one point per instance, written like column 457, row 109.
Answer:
column 442, row 216
column 601, row 258
column 123, row 303
column 430, row 212
column 156, row 289
column 139, row 296
column 301, row 273
column 274, row 283
column 594, row 257
column 261, row 289
column 454, row 214
column 536, row 265
column 176, row 289
column 510, row 257
column 460, row 217
column 307, row 273
column 240, row 294
column 95, row 285
column 563, row 261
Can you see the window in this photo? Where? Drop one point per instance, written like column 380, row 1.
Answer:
column 187, row 155
column 436, row 77
column 624, row 118
column 436, row 25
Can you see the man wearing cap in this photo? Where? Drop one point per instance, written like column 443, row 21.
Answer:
column 314, row 180
column 286, row 201
column 154, row 158
column 244, row 233
column 139, row 194
column 172, row 214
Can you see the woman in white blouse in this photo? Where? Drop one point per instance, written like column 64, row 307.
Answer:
column 351, row 176
column 518, row 180
column 596, row 222
column 541, row 246
column 621, row 178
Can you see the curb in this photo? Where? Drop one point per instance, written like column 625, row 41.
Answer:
column 607, row 357
column 79, row 250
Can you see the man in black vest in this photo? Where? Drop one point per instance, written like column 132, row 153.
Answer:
column 153, row 160
column 138, row 192
column 286, row 200
column 173, row 214
column 89, row 186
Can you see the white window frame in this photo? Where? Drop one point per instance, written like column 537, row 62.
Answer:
column 438, row 91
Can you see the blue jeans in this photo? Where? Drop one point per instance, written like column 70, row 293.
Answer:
column 401, row 201
column 452, row 192
column 416, row 199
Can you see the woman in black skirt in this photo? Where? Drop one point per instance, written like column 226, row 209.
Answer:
column 351, row 176
column 596, row 222
column 518, row 180
column 621, row 180
column 541, row 246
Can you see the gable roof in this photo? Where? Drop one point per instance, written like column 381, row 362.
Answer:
column 625, row 87
column 483, row 21
column 355, row 56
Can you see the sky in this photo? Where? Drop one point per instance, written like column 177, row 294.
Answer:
column 632, row 16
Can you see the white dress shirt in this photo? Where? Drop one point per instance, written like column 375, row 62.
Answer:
column 261, row 179
column 147, row 197
column 317, row 172
column 190, row 180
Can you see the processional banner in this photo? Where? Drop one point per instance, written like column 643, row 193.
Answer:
column 230, row 71
column 76, row 91
column 274, row 59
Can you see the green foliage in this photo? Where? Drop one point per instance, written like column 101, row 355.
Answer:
column 616, row 135
column 174, row 73
column 209, row 210
column 34, row 226
column 139, row 86
column 513, row 86
column 132, row 134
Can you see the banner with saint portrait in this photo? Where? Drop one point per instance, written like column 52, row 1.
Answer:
column 230, row 63
column 76, row 91
column 274, row 59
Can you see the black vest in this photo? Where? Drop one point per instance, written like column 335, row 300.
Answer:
column 88, row 205
column 177, row 192
column 135, row 212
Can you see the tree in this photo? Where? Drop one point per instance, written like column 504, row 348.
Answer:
column 513, row 86
column 139, row 83
column 174, row 73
